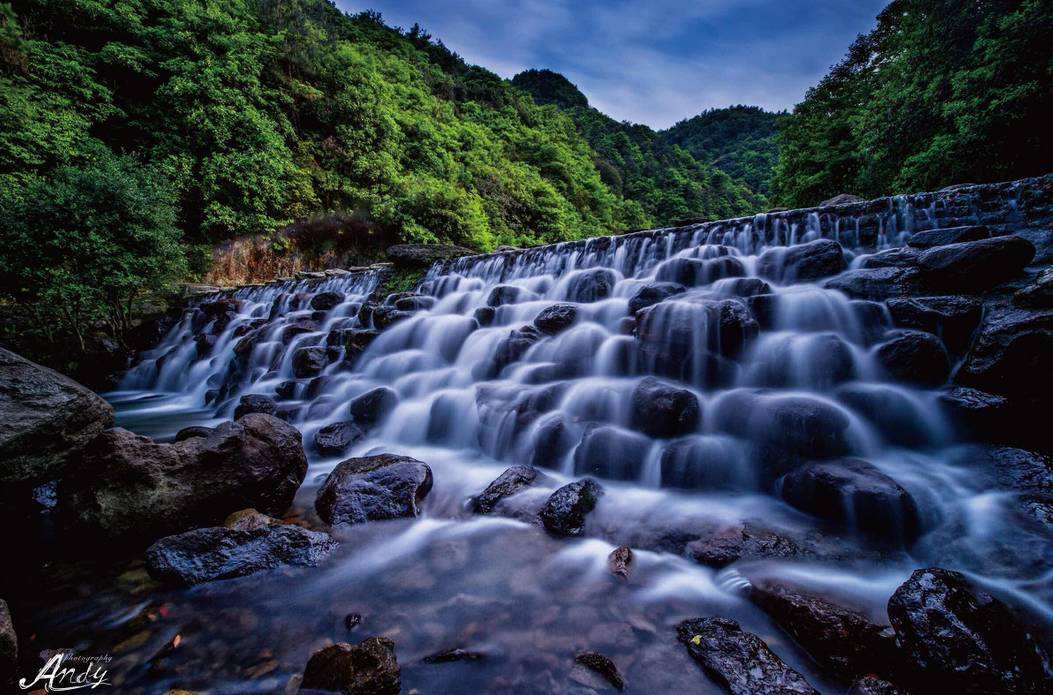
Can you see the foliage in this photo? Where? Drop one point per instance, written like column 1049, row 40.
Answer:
column 938, row 93
column 548, row 87
column 85, row 243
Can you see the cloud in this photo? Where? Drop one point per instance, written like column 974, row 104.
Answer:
column 650, row 61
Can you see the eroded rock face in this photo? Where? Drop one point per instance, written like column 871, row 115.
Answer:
column 367, row 668
column 513, row 480
column 373, row 488
column 738, row 661
column 248, row 547
column 962, row 638
column 45, row 419
column 565, row 511
column 126, row 486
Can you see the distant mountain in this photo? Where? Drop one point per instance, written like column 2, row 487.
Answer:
column 669, row 181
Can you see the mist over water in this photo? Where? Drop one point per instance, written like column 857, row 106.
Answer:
column 774, row 364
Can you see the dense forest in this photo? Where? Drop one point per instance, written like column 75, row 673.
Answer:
column 940, row 92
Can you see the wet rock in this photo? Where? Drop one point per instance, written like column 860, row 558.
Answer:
column 877, row 283
column 977, row 414
column 192, row 432
column 741, row 542
column 603, row 666
column 1039, row 294
column 512, row 348
column 620, row 561
column 964, row 639
column 1011, row 355
column 210, row 554
column 504, row 294
column 373, row 488
column 975, row 266
column 386, row 316
column 285, row 390
column 309, row 361
column 1011, row 468
column 298, row 327
column 368, row 668
column 414, row 302
column 896, row 257
column 513, row 480
column 334, row 439
column 556, row 318
column 856, row 494
column 654, row 293
column 914, row 357
column 248, row 520
column 448, row 656
column 373, row 406
column 591, row 285
column 695, row 272
column 325, row 301
column 565, row 510
column 872, row 685
column 953, row 319
column 745, row 287
column 841, row 199
column 484, row 315
column 424, row 255
column 899, row 419
column 738, row 661
column 553, row 440
column 204, row 343
column 128, row 487
column 663, row 410
column 840, row 639
column 611, row 452
column 8, row 646
column 689, row 340
column 45, row 420
column 815, row 360
column 255, row 403
column 706, row 462
column 948, row 235
column 802, row 263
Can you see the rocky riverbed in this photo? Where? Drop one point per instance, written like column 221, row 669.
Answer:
column 803, row 452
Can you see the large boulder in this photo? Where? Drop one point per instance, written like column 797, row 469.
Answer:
column 663, row 410
column 738, row 661
column 842, row 640
column 373, row 488
column 802, row 263
column 220, row 552
column 948, row 235
column 45, row 419
column 255, row 403
column 653, row 293
column 696, row 272
column 309, row 361
column 513, row 480
column 325, row 301
column 952, row 318
column 1039, row 294
column 367, row 668
column 565, row 510
column 424, row 255
column 372, row 406
column 975, row 266
column 895, row 257
column 877, row 283
column 915, row 357
column 854, row 493
column 1012, row 354
column 591, row 285
column 963, row 639
column 128, row 487
column 556, row 318
column 335, row 438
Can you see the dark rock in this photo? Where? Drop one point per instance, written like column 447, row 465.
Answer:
column 553, row 440
column 128, row 487
column 325, row 301
column 45, row 420
column 854, row 493
column 706, row 463
column 975, row 265
column 654, row 293
column 192, row 432
column 424, row 255
column 209, row 554
column 334, row 439
column 914, row 357
column 285, row 390
column 1011, row 355
column 949, row 235
column 978, row 415
column 603, row 666
column 504, row 294
column 8, row 646
column 679, row 339
column 738, row 661
column 512, row 348
column 695, row 272
column 373, row 406
column 448, row 656
column 841, row 199
column 298, row 327
column 309, row 361
column 663, row 410
column 841, row 640
column 1014, row 469
column 872, row 685
column 591, row 285
column 1039, row 294
column 204, row 343
column 814, row 360
column 414, row 303
column 484, row 315
column 803, row 262
column 895, row 257
column 899, row 419
column 620, row 561
column 742, row 542
column 565, row 510
column 505, row 485
column 963, row 639
column 556, row 318
column 367, row 668
column 877, row 283
column 255, row 403
column 611, row 452
column 351, row 621
column 373, row 488
column 386, row 316
column 745, row 287
column 951, row 318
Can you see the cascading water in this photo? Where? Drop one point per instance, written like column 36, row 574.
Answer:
column 688, row 370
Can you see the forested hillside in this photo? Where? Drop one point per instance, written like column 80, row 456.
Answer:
column 672, row 182
column 940, row 92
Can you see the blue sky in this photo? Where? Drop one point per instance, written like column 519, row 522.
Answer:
column 649, row 61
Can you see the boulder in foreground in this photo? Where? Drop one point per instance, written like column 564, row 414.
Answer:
column 367, row 668
column 129, row 487
column 45, row 419
column 373, row 488
column 565, row 510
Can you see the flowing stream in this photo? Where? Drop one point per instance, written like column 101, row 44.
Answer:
column 476, row 392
